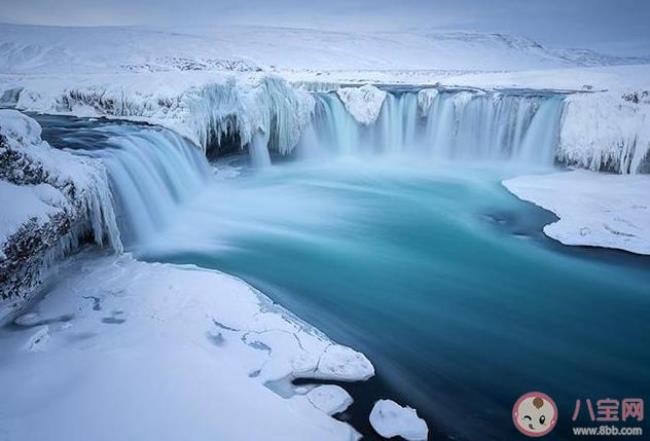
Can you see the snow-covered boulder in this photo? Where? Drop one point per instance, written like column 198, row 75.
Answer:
column 606, row 132
column 595, row 209
column 364, row 103
column 50, row 199
column 389, row 419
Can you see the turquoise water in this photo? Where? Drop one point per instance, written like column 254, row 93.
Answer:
column 440, row 276
column 432, row 269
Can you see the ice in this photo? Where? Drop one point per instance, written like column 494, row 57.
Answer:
column 595, row 209
column 342, row 363
column 426, row 98
column 364, row 103
column 390, row 419
column 330, row 398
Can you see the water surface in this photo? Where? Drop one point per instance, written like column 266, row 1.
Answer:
column 439, row 275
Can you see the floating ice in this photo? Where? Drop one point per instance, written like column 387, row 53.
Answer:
column 390, row 419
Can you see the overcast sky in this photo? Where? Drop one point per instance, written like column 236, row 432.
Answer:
column 608, row 25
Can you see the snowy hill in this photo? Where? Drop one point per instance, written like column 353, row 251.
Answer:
column 46, row 49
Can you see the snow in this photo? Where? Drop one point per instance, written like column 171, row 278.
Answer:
column 31, row 49
column 595, row 209
column 121, row 349
column 364, row 103
column 22, row 203
column 390, row 419
column 330, row 398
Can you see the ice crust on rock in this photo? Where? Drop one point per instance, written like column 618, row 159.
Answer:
column 364, row 103
column 389, row 419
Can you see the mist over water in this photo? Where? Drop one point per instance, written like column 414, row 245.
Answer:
column 427, row 265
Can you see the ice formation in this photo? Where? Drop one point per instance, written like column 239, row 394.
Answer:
column 364, row 103
column 605, row 132
column 51, row 201
column 390, row 419
column 272, row 107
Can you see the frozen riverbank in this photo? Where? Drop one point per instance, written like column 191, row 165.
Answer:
column 595, row 209
column 115, row 344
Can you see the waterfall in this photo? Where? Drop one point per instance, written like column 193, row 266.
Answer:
column 259, row 150
column 452, row 124
column 151, row 170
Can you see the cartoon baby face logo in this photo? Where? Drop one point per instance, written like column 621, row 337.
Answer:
column 534, row 414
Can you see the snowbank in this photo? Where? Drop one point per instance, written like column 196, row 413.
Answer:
column 121, row 349
column 595, row 209
column 390, row 419
column 364, row 103
column 50, row 200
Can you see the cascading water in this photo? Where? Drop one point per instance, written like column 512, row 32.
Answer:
column 451, row 124
column 151, row 170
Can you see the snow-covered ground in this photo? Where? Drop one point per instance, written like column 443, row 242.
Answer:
column 29, row 49
column 117, row 344
column 595, row 209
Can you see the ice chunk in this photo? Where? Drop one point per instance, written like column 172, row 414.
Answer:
column 390, row 419
column 330, row 398
column 342, row 363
